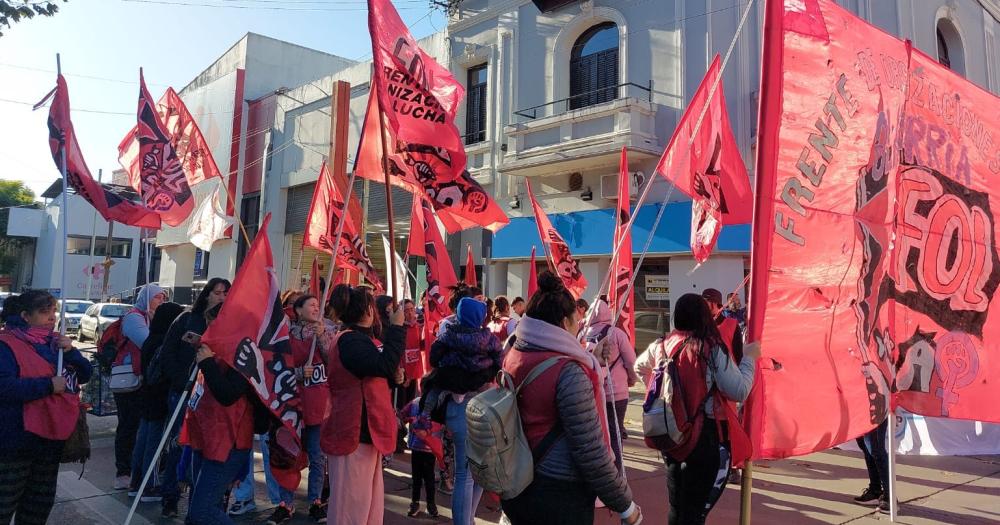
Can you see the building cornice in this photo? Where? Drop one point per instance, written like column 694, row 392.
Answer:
column 489, row 14
column 992, row 7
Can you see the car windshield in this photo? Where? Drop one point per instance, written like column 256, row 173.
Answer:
column 115, row 310
column 77, row 308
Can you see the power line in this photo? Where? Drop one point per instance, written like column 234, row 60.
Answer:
column 91, row 77
column 342, row 8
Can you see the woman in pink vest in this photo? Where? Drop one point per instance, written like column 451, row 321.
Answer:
column 362, row 423
column 310, row 325
column 562, row 413
column 38, row 406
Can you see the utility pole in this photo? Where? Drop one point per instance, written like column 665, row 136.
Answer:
column 93, row 244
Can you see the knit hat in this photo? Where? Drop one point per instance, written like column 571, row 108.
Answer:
column 471, row 312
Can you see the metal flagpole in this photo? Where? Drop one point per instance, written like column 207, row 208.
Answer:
column 388, row 197
column 63, row 212
column 153, row 465
column 93, row 242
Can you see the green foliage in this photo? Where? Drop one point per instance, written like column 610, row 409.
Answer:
column 13, row 11
column 15, row 192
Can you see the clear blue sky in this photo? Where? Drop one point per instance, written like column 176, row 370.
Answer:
column 173, row 40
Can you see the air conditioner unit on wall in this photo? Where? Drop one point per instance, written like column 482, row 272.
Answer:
column 609, row 185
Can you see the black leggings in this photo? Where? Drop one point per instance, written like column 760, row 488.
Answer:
column 28, row 488
column 422, row 467
column 550, row 501
column 696, row 484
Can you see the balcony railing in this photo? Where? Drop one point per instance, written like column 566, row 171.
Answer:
column 567, row 103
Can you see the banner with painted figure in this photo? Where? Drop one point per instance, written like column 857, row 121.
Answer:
column 560, row 259
column 918, row 435
column 845, row 166
column 710, row 171
column 621, row 262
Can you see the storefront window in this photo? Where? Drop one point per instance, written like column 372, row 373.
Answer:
column 80, row 245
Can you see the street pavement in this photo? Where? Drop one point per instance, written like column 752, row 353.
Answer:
column 813, row 489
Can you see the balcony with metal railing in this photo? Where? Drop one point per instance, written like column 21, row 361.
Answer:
column 582, row 131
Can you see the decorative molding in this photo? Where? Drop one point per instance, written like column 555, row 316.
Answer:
column 557, row 59
column 992, row 7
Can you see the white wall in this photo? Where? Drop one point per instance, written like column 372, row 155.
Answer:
column 724, row 273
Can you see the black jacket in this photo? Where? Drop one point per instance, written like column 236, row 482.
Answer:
column 178, row 356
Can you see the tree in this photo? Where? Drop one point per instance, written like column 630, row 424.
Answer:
column 15, row 193
column 13, row 11
column 448, row 6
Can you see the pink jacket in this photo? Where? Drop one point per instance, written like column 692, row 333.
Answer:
column 622, row 354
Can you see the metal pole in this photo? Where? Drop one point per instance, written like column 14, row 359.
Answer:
column 93, row 243
column 163, row 440
column 108, row 263
column 891, row 443
column 64, row 210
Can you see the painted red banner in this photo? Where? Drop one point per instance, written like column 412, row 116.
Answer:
column 415, row 244
column 325, row 213
column 532, row 275
column 62, row 139
column 161, row 180
column 440, row 273
column 436, row 174
column 251, row 336
column 711, row 171
column 874, row 260
column 470, row 268
column 621, row 263
column 559, row 257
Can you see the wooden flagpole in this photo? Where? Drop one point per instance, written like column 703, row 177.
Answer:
column 388, row 196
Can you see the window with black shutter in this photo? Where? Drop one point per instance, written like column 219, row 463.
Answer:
column 475, row 111
column 593, row 67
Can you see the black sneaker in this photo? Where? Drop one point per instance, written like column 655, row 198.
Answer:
column 869, row 497
column 414, row 509
column 169, row 508
column 432, row 511
column 317, row 511
column 282, row 514
column 883, row 505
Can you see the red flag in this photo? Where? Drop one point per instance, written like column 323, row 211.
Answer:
column 440, row 273
column 251, row 336
column 325, row 214
column 435, row 173
column 161, row 180
column 470, row 268
column 622, row 260
column 418, row 96
column 532, row 275
column 415, row 244
column 192, row 150
column 111, row 206
column 558, row 251
column 314, row 286
column 712, row 174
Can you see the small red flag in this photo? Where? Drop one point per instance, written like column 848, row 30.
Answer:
column 250, row 335
column 532, row 275
column 440, row 272
column 558, row 251
column 621, row 263
column 713, row 173
column 415, row 244
column 162, row 184
column 470, row 268
column 62, row 137
column 325, row 214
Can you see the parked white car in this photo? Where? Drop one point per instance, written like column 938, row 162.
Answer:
column 98, row 317
column 74, row 312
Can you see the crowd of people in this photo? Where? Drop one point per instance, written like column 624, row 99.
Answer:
column 373, row 388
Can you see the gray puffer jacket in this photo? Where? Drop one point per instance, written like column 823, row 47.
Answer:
column 580, row 452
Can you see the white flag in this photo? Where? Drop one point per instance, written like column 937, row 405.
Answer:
column 400, row 271
column 208, row 222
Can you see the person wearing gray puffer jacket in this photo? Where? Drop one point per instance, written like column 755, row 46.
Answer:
column 562, row 414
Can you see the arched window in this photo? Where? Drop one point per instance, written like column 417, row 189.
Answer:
column 951, row 53
column 593, row 67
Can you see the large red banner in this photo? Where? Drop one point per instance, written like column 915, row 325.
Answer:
column 62, row 141
column 621, row 262
column 874, row 260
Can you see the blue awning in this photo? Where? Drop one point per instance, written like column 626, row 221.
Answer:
column 591, row 233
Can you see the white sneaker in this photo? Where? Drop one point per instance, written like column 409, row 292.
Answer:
column 240, row 508
column 122, row 482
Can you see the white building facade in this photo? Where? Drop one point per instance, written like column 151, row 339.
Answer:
column 555, row 90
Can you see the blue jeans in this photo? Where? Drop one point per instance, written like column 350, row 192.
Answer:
column 317, row 466
column 171, row 451
column 244, row 491
column 146, row 441
column 466, row 497
column 211, row 480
